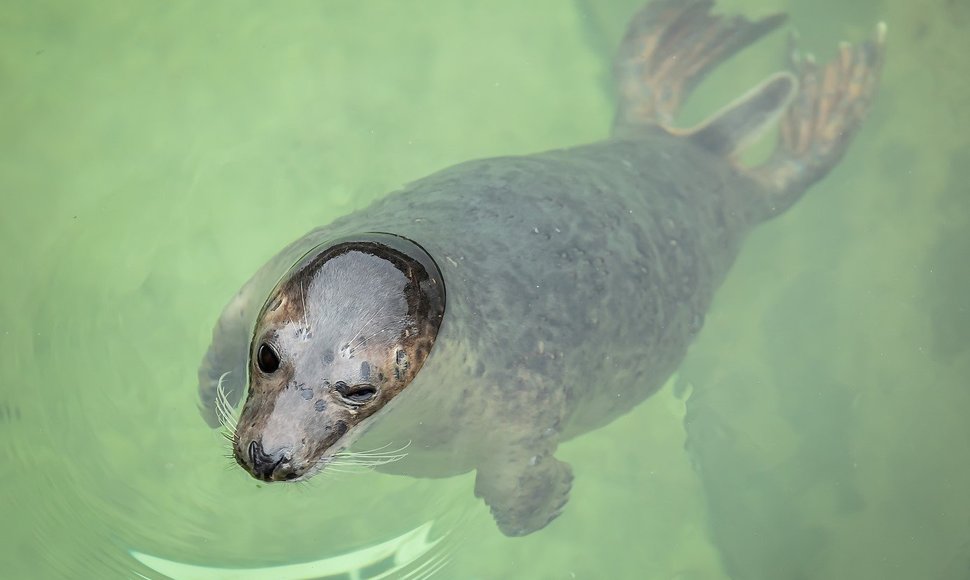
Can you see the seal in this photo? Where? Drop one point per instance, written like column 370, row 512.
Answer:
column 576, row 278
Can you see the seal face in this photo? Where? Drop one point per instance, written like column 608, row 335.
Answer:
column 344, row 332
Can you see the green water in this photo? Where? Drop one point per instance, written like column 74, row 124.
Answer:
column 155, row 154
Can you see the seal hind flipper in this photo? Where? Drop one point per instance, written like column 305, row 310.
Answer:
column 746, row 119
column 822, row 120
column 668, row 48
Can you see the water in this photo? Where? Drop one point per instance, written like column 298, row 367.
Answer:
column 155, row 154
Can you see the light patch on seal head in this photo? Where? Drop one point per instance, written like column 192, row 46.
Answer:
column 344, row 332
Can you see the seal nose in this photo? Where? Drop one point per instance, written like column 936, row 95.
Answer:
column 273, row 466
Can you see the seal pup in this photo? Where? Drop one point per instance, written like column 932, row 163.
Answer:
column 501, row 306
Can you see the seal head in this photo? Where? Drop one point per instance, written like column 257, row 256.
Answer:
column 345, row 331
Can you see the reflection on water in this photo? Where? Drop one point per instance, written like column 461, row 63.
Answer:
column 406, row 556
column 155, row 155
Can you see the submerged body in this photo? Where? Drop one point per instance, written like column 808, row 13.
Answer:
column 591, row 267
column 574, row 279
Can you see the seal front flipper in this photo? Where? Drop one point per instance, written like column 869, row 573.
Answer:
column 524, row 485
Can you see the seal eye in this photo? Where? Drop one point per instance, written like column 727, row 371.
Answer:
column 266, row 359
column 358, row 394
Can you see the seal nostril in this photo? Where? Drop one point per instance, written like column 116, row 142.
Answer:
column 264, row 465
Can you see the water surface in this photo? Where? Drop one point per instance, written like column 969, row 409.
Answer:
column 155, row 154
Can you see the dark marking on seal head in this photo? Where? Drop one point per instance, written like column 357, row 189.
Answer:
column 376, row 297
column 306, row 392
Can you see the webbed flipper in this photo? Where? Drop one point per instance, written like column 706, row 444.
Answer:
column 822, row 120
column 746, row 119
column 669, row 47
column 525, row 490
column 671, row 44
column 519, row 478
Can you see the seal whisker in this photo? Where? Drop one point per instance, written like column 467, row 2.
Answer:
column 363, row 339
column 378, row 312
column 371, row 459
column 318, row 470
column 335, row 476
column 346, row 465
column 327, row 475
column 325, row 468
column 380, row 451
column 350, row 460
column 306, row 319
column 303, row 485
column 224, row 409
column 370, row 336
column 336, row 469
column 363, row 326
column 355, row 466
column 381, row 448
column 364, row 465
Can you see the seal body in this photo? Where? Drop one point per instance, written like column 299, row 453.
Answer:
column 577, row 278
column 590, row 267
